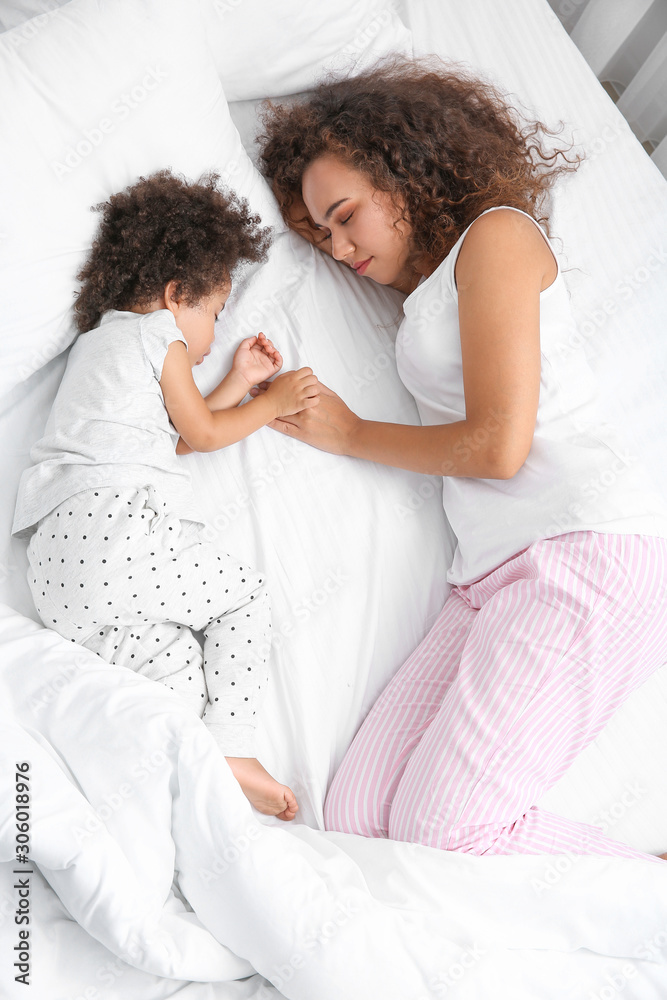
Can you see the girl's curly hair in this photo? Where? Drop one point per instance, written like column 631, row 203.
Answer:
column 442, row 141
column 160, row 229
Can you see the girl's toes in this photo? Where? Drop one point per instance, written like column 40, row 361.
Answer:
column 291, row 806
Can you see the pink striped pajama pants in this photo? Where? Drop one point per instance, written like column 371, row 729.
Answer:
column 520, row 672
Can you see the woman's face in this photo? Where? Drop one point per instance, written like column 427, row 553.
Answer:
column 357, row 218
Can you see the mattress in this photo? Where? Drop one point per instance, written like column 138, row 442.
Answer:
column 357, row 555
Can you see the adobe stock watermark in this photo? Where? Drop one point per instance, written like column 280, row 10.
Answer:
column 430, row 486
column 445, row 982
column 8, row 568
column 222, row 7
column 555, row 870
column 633, row 280
column 119, row 111
column 256, row 658
column 141, row 772
column 251, row 318
column 344, row 911
column 47, row 350
column 428, row 313
column 222, row 860
column 302, row 610
column 362, row 40
column 469, row 445
column 258, row 482
column 569, row 7
column 48, row 692
column 24, row 33
column 372, row 370
column 652, row 948
column 594, row 488
column 107, row 974
column 593, row 320
column 614, row 983
column 601, row 143
column 606, row 819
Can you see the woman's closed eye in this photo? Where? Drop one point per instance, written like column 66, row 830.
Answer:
column 328, row 235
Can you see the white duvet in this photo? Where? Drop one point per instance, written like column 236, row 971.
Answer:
column 128, row 787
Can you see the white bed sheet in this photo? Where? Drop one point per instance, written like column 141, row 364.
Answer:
column 345, row 645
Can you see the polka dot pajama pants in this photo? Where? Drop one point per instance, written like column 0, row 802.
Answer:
column 113, row 570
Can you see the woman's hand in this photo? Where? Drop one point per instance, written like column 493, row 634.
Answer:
column 329, row 425
column 291, row 392
column 256, row 358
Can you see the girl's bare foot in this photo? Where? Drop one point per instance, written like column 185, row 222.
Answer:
column 265, row 793
column 663, row 856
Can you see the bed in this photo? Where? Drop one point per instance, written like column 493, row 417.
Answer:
column 150, row 875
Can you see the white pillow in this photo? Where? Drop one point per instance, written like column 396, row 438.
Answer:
column 94, row 97
column 265, row 50
column 268, row 49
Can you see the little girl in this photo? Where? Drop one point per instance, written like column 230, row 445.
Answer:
column 118, row 561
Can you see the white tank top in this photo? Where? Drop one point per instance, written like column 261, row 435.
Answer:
column 579, row 475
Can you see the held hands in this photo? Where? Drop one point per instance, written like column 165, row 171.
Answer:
column 291, row 392
column 255, row 359
column 325, row 423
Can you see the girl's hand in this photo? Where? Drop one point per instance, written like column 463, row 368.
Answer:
column 256, row 358
column 329, row 426
column 292, row 391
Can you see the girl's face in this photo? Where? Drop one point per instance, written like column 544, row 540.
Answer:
column 357, row 218
column 197, row 322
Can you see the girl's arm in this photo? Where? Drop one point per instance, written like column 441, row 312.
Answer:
column 502, row 266
column 226, row 395
column 204, row 430
column 255, row 358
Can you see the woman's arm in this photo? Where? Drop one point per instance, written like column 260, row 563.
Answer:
column 503, row 264
column 456, row 449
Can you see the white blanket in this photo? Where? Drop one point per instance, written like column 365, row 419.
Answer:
column 127, row 786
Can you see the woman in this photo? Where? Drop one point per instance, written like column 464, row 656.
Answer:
column 426, row 180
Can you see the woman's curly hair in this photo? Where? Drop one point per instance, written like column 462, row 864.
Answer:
column 442, row 141
column 160, row 229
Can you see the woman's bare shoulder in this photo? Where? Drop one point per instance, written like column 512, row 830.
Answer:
column 501, row 238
